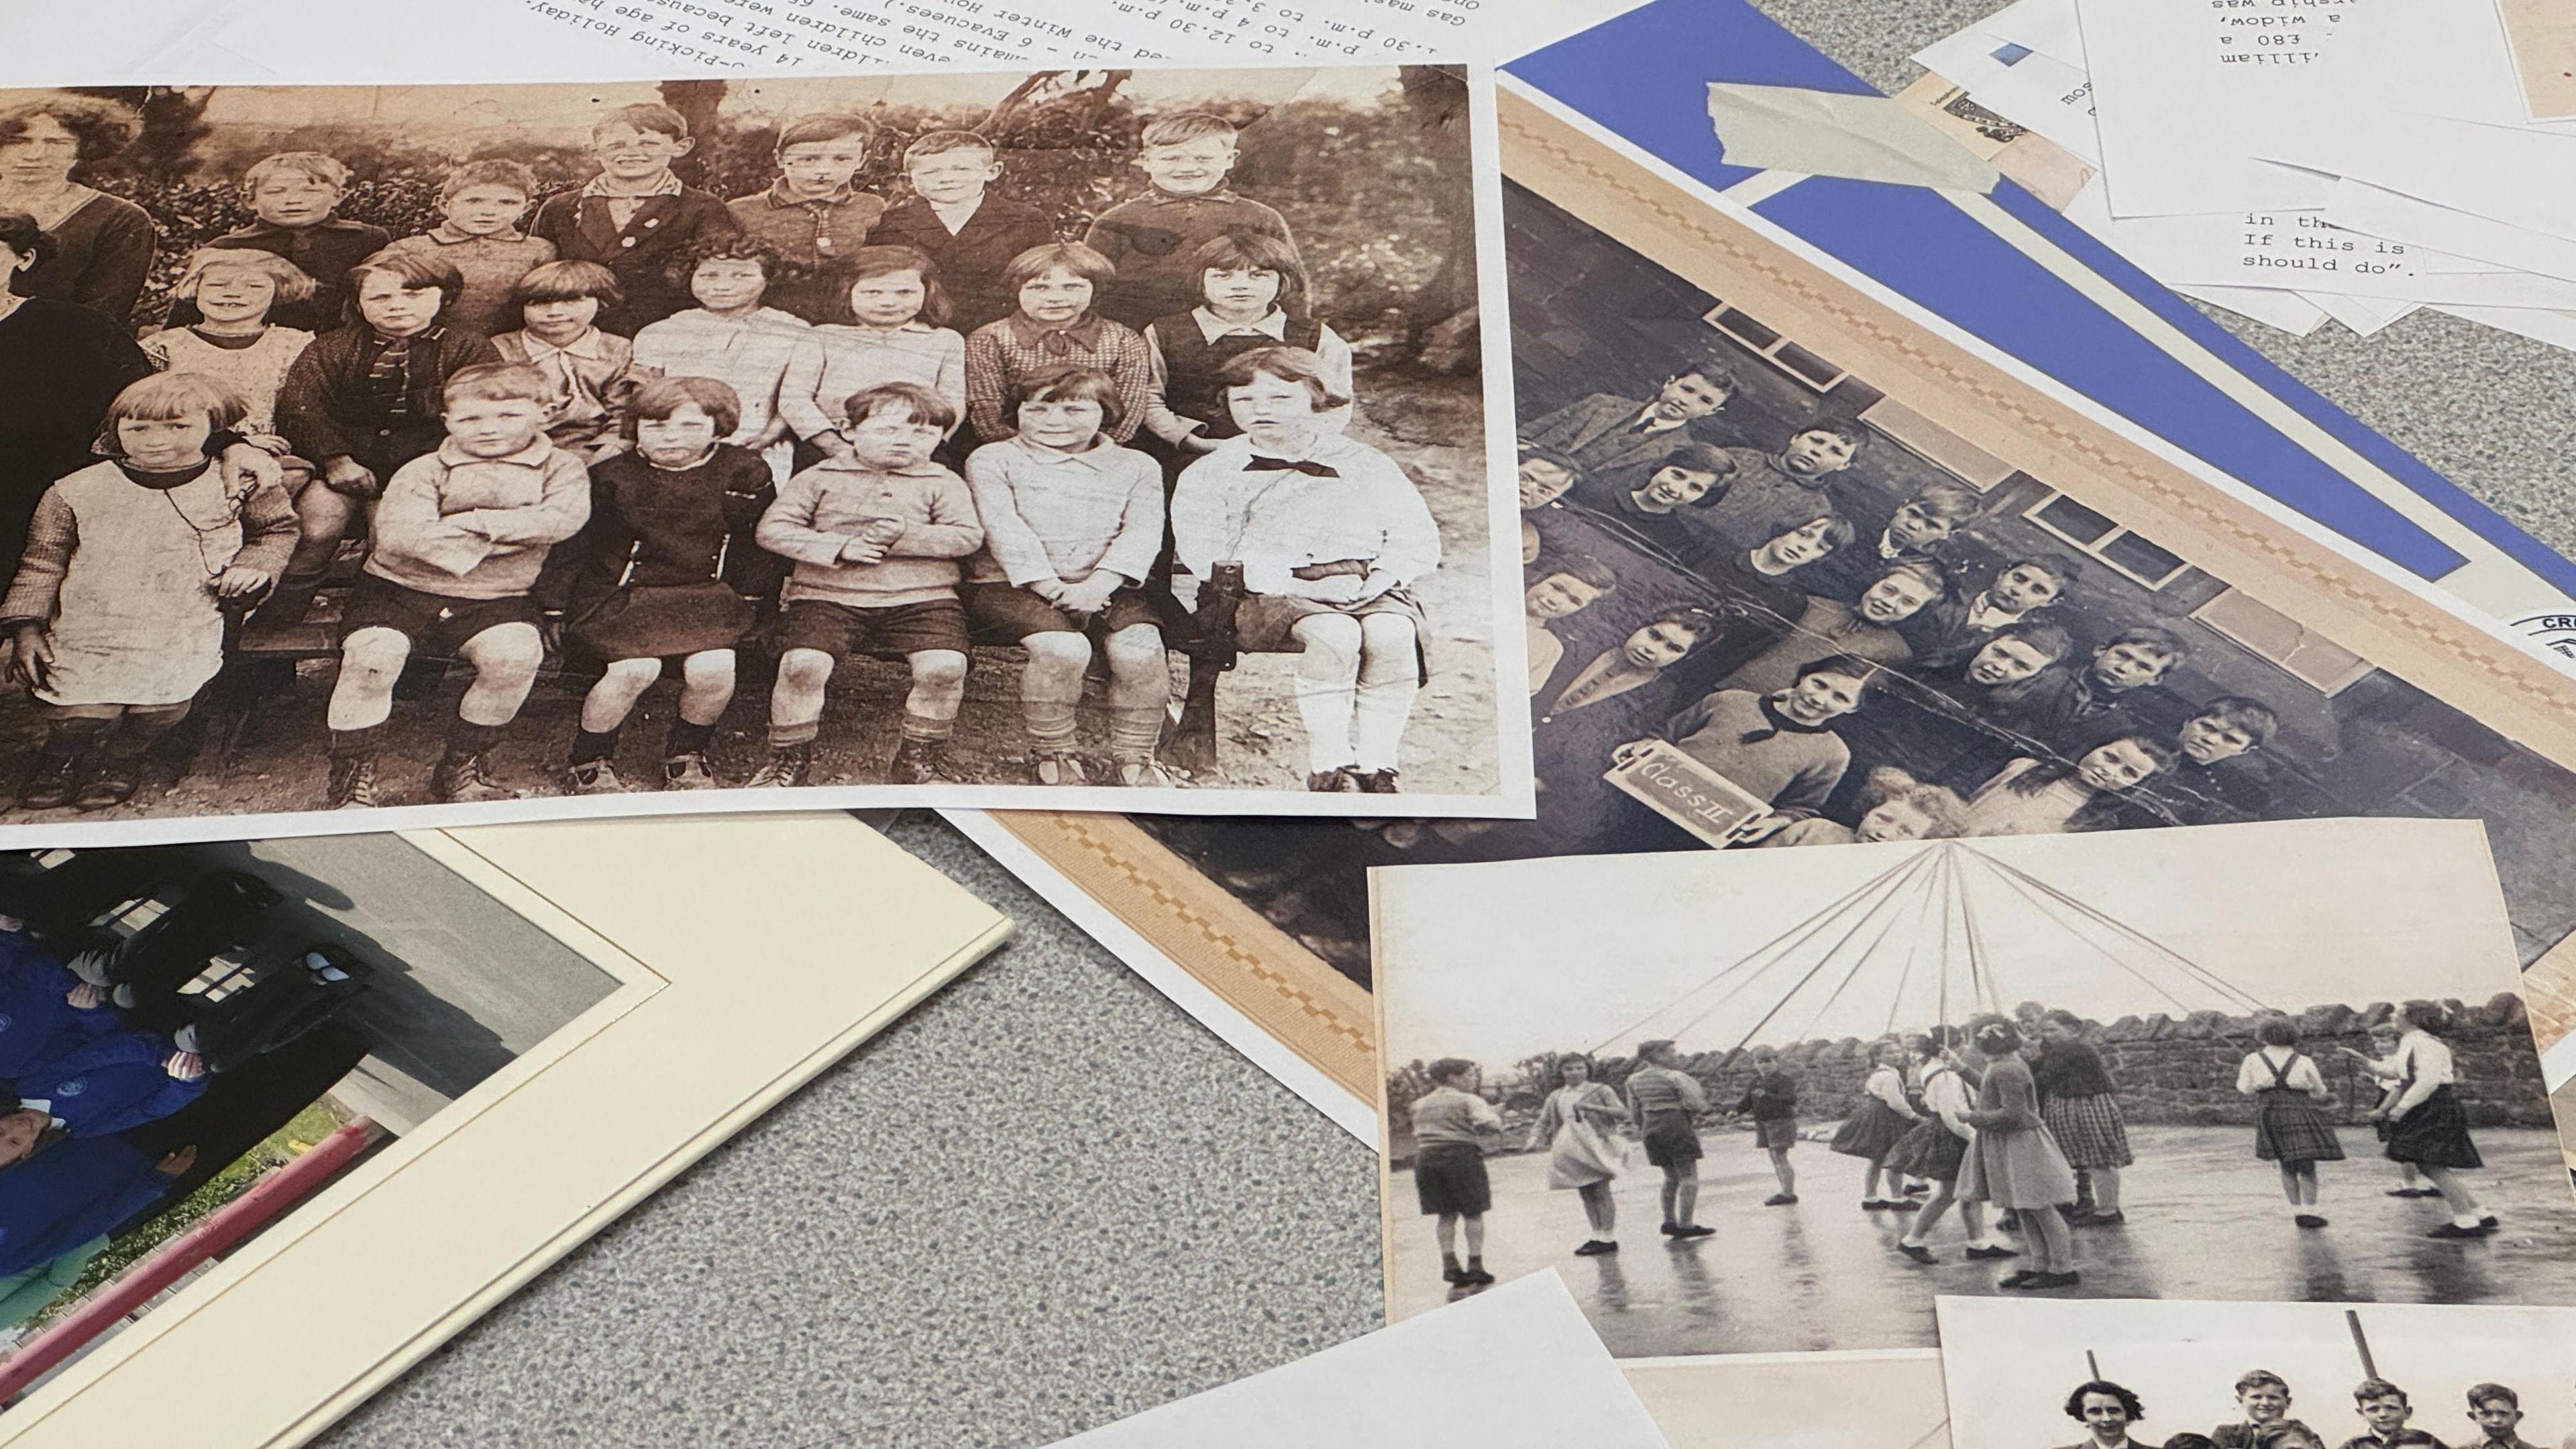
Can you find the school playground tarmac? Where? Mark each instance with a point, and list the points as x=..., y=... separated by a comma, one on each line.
x=2205, y=1220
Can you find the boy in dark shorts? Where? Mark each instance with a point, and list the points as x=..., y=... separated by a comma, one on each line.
x=1450, y=1123
x=877, y=540
x=460, y=535
x=1772, y=1103
x=1071, y=525
x=1665, y=1102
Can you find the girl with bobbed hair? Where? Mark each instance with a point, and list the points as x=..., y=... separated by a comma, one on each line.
x=101, y=245
x=2107, y=1411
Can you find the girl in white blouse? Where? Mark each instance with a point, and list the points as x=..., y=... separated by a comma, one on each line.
x=2426, y=1125
x=2290, y=1129
x=1332, y=535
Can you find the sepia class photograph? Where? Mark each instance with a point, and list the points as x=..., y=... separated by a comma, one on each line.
x=1120, y=434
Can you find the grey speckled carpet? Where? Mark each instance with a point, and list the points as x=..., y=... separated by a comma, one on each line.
x=1048, y=1199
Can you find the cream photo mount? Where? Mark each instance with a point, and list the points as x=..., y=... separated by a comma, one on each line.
x=708, y=924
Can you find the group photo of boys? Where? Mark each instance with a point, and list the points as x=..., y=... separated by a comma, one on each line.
x=397, y=446
x=1738, y=550
x=2198, y=1375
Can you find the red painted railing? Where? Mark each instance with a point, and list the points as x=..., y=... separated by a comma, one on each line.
x=220, y=1230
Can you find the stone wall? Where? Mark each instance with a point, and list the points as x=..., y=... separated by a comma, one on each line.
x=2181, y=1071
x=2171, y=1071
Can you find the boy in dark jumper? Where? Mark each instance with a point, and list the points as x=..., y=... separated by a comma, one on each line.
x=1153, y=239
x=967, y=229
x=295, y=196
x=634, y=217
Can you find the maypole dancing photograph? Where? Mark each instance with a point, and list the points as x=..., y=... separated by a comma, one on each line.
x=2187, y=1375
x=1759, y=1103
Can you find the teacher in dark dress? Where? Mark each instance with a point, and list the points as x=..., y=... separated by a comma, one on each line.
x=101, y=245
x=61, y=364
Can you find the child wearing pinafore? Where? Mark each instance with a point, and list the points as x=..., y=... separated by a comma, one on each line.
x=2289, y=1128
x=116, y=618
x=1880, y=1122
x=1578, y=1125
x=232, y=341
x=664, y=569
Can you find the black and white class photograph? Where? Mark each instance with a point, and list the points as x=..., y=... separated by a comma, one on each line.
x=195, y=1040
x=1778, y=1102
x=1816, y=615
x=1084, y=439
x=2201, y=1375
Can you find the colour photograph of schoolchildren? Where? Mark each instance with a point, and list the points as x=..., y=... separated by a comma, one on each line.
x=2296, y=1375
x=1735, y=543
x=196, y=1039
x=1779, y=1101
x=1001, y=437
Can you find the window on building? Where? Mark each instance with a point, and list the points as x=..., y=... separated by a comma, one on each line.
x=2130, y=554
x=2319, y=662
x=1816, y=372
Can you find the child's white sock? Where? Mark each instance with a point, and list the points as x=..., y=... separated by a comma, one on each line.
x=1381, y=710
x=1324, y=706
x=2466, y=1220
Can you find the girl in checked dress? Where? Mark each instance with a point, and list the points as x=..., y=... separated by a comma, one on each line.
x=2077, y=1100
x=2426, y=1125
x=2289, y=1127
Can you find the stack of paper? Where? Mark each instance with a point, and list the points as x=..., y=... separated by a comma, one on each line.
x=2296, y=160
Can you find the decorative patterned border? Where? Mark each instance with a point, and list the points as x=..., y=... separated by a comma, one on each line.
x=1322, y=1015
x=2514, y=693
x=1332, y=1023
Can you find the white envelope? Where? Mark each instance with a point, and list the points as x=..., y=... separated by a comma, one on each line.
x=2382, y=212
x=2181, y=87
x=2558, y=329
